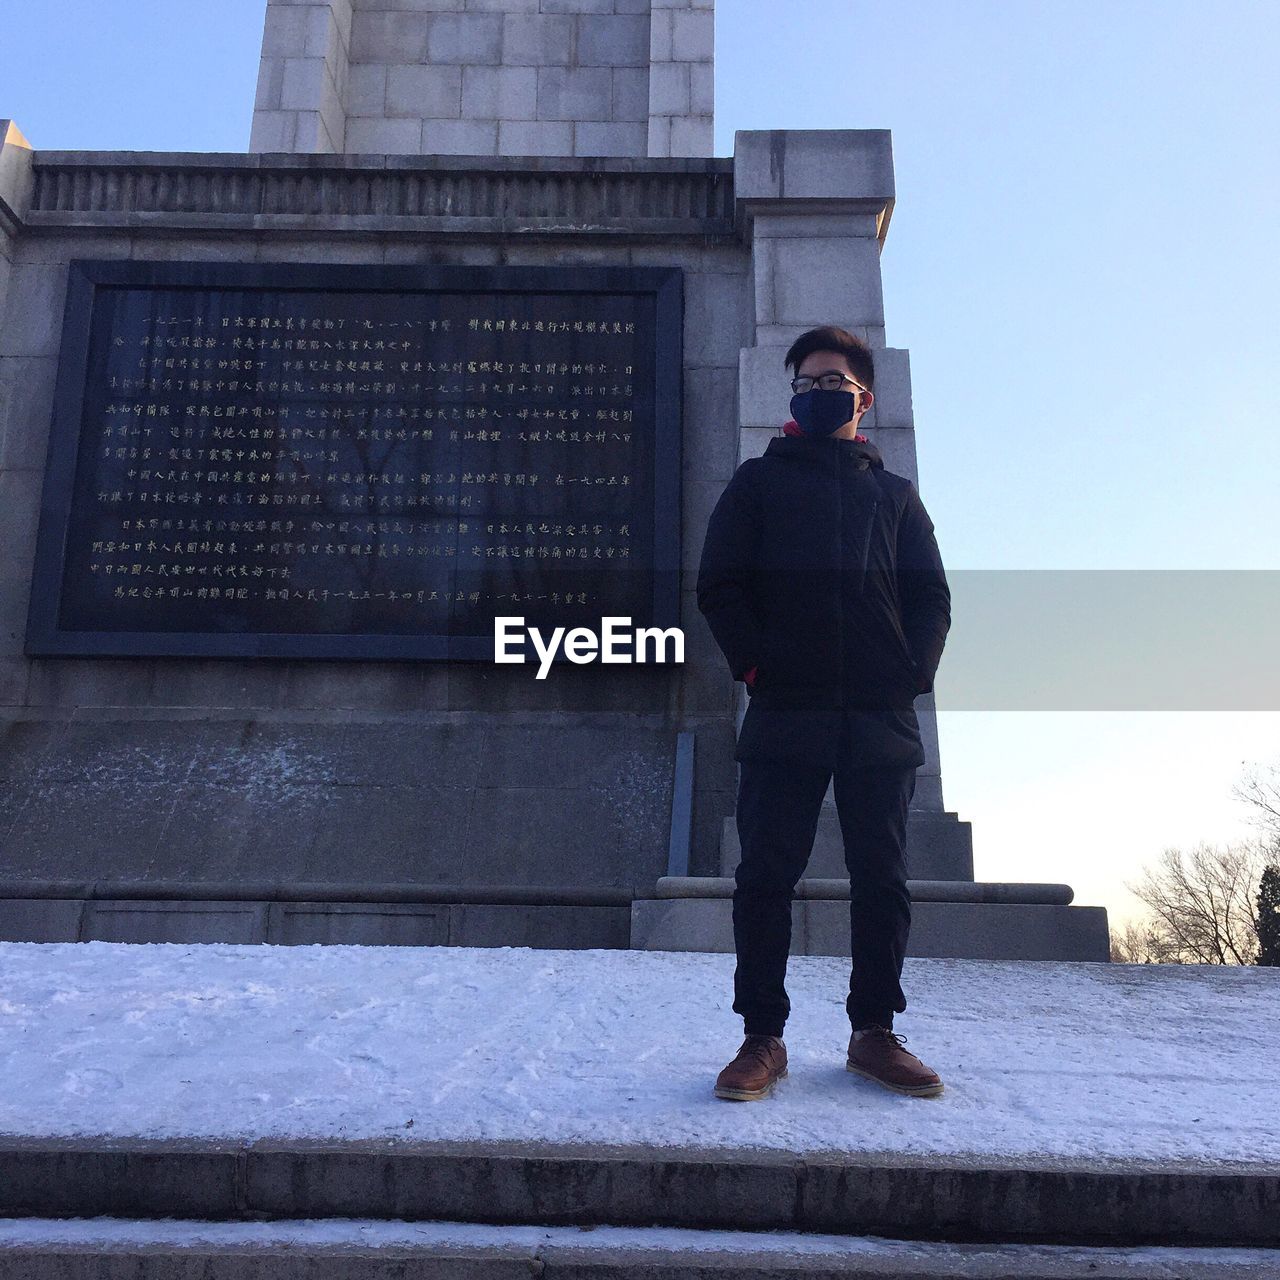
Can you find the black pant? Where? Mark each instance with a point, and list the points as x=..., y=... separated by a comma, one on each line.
x=778, y=806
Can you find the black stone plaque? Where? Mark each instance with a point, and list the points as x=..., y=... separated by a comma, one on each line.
x=357, y=461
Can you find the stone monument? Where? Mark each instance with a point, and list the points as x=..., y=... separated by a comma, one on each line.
x=271, y=426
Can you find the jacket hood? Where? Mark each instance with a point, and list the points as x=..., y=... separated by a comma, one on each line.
x=793, y=442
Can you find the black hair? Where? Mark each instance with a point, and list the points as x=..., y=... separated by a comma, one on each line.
x=832, y=338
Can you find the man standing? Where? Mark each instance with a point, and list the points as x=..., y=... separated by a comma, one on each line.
x=823, y=586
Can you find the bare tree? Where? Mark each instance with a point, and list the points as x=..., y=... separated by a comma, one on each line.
x=1261, y=791
x=1204, y=904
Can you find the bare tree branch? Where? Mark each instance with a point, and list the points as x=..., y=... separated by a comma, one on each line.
x=1261, y=791
x=1138, y=943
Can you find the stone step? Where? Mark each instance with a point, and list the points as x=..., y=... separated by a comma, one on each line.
x=44, y=1249
x=956, y=1198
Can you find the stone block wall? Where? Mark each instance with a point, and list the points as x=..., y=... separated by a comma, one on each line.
x=486, y=78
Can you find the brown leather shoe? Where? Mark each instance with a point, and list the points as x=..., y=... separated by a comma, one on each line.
x=879, y=1056
x=761, y=1061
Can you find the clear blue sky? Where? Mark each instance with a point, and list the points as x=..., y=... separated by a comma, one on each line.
x=1082, y=262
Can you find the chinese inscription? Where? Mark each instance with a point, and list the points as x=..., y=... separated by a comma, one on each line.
x=348, y=462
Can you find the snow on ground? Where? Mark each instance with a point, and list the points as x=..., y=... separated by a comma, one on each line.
x=658, y=1243
x=622, y=1047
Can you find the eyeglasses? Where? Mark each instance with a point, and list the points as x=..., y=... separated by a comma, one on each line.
x=832, y=381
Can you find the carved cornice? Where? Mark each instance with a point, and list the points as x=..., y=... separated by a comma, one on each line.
x=412, y=194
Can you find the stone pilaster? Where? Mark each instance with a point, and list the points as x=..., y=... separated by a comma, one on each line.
x=15, y=486
x=814, y=205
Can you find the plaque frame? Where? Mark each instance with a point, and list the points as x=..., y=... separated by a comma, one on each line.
x=44, y=636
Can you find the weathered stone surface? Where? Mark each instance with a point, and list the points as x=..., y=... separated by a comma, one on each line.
x=425, y=91
x=605, y=139
x=813, y=164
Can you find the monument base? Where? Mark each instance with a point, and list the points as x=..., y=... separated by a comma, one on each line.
x=961, y=920
x=460, y=828
x=952, y=914
x=939, y=844
x=455, y=918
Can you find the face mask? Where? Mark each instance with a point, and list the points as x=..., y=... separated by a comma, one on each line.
x=819, y=412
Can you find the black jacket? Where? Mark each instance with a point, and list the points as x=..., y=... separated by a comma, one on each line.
x=820, y=568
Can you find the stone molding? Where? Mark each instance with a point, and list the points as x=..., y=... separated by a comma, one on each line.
x=233, y=191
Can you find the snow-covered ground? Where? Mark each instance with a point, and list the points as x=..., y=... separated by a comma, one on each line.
x=622, y=1047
